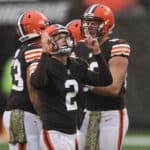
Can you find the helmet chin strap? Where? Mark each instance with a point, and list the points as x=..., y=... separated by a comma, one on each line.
x=62, y=50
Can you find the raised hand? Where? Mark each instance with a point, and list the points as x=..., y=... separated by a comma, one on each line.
x=92, y=44
x=47, y=43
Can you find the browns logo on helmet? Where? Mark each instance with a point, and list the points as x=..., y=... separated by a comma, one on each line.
x=30, y=24
x=75, y=27
x=103, y=15
x=50, y=44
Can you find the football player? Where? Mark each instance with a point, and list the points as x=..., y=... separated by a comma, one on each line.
x=20, y=118
x=75, y=28
x=98, y=21
x=58, y=78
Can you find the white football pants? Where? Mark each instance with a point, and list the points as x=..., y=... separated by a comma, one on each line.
x=112, y=129
x=56, y=140
x=33, y=127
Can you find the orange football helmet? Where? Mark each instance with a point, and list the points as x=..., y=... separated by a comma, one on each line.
x=101, y=14
x=50, y=44
x=30, y=24
x=75, y=27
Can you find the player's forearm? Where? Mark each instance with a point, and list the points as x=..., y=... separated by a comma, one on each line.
x=106, y=91
x=33, y=94
x=35, y=100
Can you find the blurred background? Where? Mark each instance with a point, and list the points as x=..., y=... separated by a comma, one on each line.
x=132, y=24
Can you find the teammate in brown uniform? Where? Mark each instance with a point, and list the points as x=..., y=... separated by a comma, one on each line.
x=59, y=78
x=98, y=21
x=20, y=118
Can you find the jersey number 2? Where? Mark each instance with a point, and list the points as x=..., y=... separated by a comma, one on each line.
x=70, y=104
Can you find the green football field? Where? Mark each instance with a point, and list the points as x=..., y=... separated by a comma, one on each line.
x=5, y=147
x=135, y=140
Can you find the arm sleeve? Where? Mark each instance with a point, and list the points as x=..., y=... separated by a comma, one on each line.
x=39, y=77
x=120, y=48
x=102, y=77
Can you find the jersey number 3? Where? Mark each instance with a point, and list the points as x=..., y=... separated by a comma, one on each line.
x=17, y=79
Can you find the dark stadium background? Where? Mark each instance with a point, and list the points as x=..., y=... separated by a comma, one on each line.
x=132, y=24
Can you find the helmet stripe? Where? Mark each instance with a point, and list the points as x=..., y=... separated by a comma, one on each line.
x=92, y=8
x=19, y=23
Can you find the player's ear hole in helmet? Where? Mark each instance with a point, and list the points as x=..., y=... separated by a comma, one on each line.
x=30, y=25
x=100, y=14
x=51, y=37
